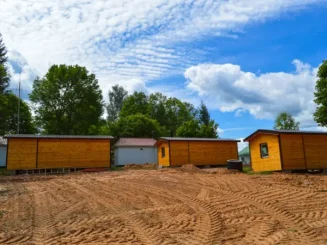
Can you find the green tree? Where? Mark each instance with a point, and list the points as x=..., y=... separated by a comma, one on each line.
x=4, y=74
x=194, y=128
x=134, y=104
x=320, y=116
x=137, y=125
x=157, y=108
x=209, y=131
x=285, y=121
x=3, y=52
x=67, y=100
x=116, y=95
x=204, y=115
x=9, y=124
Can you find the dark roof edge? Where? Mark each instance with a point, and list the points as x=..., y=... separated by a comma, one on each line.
x=197, y=139
x=32, y=136
x=277, y=132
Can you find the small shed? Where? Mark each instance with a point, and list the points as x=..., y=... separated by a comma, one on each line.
x=244, y=155
x=29, y=152
x=273, y=150
x=175, y=151
x=3, y=152
x=135, y=151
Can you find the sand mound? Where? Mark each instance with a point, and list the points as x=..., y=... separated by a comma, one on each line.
x=190, y=168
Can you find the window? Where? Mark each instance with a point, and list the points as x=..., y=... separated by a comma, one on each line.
x=163, y=152
x=264, y=150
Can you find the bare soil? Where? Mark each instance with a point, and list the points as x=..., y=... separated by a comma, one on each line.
x=167, y=206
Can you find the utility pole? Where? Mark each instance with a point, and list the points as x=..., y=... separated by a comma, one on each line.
x=18, y=116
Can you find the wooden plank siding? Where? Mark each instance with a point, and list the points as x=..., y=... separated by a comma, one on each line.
x=292, y=151
x=179, y=153
x=273, y=161
x=21, y=154
x=163, y=161
x=212, y=152
x=315, y=146
x=73, y=153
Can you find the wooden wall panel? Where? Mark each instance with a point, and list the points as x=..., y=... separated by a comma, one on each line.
x=163, y=161
x=212, y=153
x=73, y=153
x=292, y=151
x=315, y=150
x=271, y=163
x=179, y=153
x=21, y=154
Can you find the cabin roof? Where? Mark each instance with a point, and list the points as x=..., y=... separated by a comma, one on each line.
x=125, y=142
x=33, y=136
x=277, y=132
x=3, y=141
x=196, y=139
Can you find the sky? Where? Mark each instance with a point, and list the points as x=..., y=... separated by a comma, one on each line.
x=247, y=60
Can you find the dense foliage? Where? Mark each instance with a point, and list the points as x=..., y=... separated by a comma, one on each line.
x=320, y=115
x=67, y=100
x=285, y=121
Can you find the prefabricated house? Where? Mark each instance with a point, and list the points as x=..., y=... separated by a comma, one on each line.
x=3, y=152
x=244, y=155
x=175, y=151
x=273, y=150
x=135, y=151
x=29, y=152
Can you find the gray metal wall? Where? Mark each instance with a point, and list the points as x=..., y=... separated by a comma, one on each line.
x=134, y=155
x=3, y=154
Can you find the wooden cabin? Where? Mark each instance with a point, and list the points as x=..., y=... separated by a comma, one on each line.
x=29, y=152
x=273, y=150
x=174, y=151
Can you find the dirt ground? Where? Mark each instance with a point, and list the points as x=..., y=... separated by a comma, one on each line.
x=167, y=206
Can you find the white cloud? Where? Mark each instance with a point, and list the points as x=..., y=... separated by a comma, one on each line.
x=126, y=40
x=228, y=88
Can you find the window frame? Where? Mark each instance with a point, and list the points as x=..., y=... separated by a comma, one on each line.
x=163, y=152
x=261, y=155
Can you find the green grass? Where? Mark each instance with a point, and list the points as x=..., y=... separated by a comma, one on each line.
x=114, y=168
x=248, y=170
x=4, y=172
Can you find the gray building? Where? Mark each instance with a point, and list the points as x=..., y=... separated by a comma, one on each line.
x=3, y=152
x=135, y=151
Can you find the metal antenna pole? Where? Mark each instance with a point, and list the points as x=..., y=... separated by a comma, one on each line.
x=18, y=116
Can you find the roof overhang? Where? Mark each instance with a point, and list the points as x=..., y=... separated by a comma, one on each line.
x=33, y=136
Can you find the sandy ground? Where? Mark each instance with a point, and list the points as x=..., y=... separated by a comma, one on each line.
x=164, y=207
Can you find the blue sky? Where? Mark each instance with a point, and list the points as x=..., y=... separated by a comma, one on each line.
x=247, y=60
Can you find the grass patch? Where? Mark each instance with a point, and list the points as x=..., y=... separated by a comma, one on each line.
x=115, y=168
x=246, y=169
x=4, y=172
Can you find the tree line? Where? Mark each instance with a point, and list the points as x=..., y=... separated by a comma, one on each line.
x=68, y=100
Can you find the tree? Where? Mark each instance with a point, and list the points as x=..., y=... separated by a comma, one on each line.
x=134, y=104
x=194, y=128
x=285, y=121
x=116, y=98
x=9, y=124
x=67, y=100
x=137, y=125
x=3, y=52
x=204, y=115
x=320, y=116
x=157, y=108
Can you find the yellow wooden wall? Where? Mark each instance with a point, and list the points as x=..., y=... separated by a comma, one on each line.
x=292, y=151
x=163, y=161
x=271, y=163
x=179, y=153
x=21, y=154
x=315, y=150
x=73, y=153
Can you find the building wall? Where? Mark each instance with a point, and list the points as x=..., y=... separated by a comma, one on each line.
x=212, y=153
x=73, y=153
x=271, y=163
x=57, y=153
x=21, y=154
x=179, y=153
x=134, y=155
x=202, y=152
x=315, y=150
x=292, y=152
x=3, y=154
x=163, y=161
